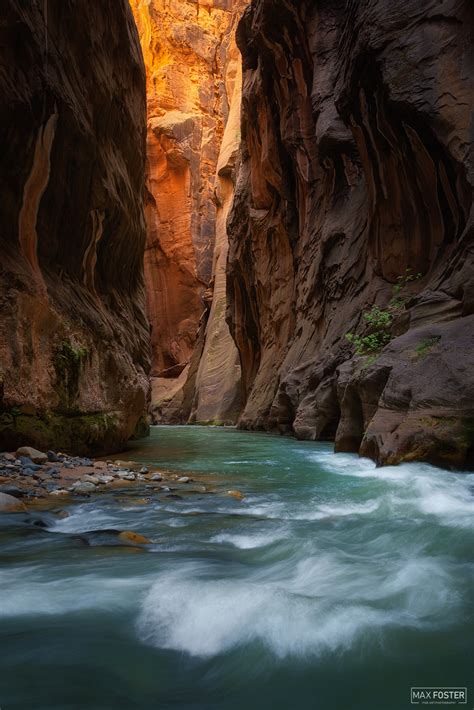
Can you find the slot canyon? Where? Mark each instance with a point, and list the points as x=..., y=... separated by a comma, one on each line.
x=236, y=354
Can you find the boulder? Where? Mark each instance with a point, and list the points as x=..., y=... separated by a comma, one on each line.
x=126, y=476
x=83, y=487
x=134, y=538
x=13, y=491
x=90, y=479
x=236, y=494
x=31, y=453
x=10, y=504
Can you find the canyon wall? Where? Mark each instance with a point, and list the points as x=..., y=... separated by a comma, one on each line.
x=74, y=352
x=191, y=62
x=353, y=217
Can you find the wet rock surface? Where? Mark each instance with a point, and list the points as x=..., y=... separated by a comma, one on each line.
x=75, y=478
x=355, y=191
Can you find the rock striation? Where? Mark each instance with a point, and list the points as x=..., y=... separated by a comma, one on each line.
x=74, y=352
x=353, y=215
x=191, y=61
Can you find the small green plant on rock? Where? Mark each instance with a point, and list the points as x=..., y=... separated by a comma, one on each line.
x=380, y=321
x=405, y=279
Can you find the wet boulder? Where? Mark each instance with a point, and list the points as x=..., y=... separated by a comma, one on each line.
x=31, y=453
x=10, y=504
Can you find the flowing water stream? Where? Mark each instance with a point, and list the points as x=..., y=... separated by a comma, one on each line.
x=333, y=585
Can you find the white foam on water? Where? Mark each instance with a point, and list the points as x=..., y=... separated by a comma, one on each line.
x=450, y=498
x=325, y=602
x=430, y=491
x=84, y=518
x=322, y=512
x=249, y=541
x=419, y=586
x=205, y=618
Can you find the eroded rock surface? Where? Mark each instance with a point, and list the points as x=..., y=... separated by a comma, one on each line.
x=354, y=191
x=191, y=62
x=74, y=353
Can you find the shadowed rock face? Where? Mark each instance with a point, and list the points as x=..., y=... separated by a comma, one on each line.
x=191, y=59
x=355, y=190
x=74, y=351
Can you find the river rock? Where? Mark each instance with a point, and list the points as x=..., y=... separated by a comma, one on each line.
x=82, y=487
x=13, y=491
x=144, y=470
x=7, y=457
x=156, y=477
x=126, y=475
x=126, y=464
x=184, y=479
x=105, y=479
x=10, y=504
x=60, y=492
x=35, y=455
x=52, y=457
x=236, y=494
x=90, y=479
x=135, y=538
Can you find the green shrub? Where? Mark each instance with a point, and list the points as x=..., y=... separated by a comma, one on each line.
x=380, y=320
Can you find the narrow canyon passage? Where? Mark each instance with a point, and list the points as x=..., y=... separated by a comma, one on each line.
x=194, y=81
x=236, y=353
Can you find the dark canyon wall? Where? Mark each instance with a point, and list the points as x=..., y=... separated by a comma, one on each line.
x=354, y=192
x=74, y=351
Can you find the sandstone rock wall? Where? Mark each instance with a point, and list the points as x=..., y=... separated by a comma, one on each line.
x=74, y=353
x=190, y=55
x=216, y=388
x=355, y=191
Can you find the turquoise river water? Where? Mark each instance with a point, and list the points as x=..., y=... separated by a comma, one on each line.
x=333, y=585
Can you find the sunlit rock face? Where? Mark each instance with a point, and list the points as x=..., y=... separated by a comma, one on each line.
x=191, y=63
x=74, y=348
x=355, y=190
